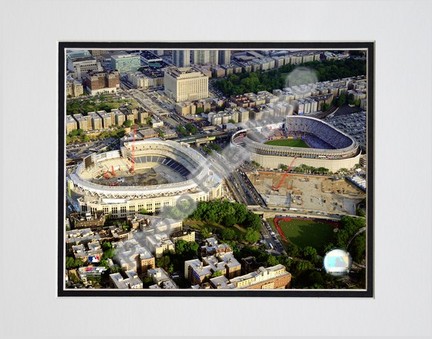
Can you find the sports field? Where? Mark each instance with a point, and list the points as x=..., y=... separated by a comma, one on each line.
x=288, y=142
x=303, y=232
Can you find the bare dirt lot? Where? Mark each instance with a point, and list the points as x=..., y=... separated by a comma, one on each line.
x=156, y=175
x=307, y=192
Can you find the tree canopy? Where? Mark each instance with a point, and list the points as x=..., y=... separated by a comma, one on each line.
x=236, y=84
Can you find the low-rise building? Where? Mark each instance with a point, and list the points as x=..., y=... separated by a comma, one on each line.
x=84, y=122
x=143, y=116
x=71, y=124
x=159, y=243
x=188, y=236
x=275, y=277
x=106, y=119
x=96, y=121
x=101, y=82
x=147, y=133
x=161, y=279
x=87, y=219
x=211, y=247
x=131, y=282
x=119, y=117
x=126, y=62
x=221, y=282
x=131, y=255
x=82, y=65
x=74, y=88
x=90, y=272
x=196, y=272
x=83, y=235
x=140, y=80
x=91, y=252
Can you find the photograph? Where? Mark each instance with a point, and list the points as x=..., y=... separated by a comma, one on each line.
x=167, y=165
x=216, y=169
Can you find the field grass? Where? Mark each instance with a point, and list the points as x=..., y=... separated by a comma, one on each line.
x=302, y=233
x=288, y=142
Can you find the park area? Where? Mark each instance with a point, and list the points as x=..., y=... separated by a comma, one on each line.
x=288, y=142
x=305, y=232
x=99, y=102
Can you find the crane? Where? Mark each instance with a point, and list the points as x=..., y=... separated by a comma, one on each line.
x=282, y=179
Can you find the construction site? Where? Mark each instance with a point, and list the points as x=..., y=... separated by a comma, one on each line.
x=121, y=175
x=309, y=193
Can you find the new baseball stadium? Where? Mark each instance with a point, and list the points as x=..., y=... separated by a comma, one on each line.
x=148, y=174
x=299, y=140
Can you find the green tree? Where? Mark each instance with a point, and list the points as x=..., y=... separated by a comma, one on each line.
x=229, y=220
x=106, y=245
x=309, y=279
x=205, y=232
x=228, y=234
x=70, y=262
x=109, y=253
x=164, y=262
x=357, y=248
x=292, y=250
x=128, y=123
x=216, y=274
x=191, y=129
x=240, y=212
x=181, y=130
x=303, y=265
x=252, y=236
x=253, y=221
x=73, y=263
x=342, y=99
x=272, y=260
x=349, y=227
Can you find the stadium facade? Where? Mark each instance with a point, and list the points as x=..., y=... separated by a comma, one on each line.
x=198, y=182
x=329, y=147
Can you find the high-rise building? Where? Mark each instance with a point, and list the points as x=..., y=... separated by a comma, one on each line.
x=214, y=57
x=204, y=57
x=181, y=58
x=125, y=62
x=183, y=84
x=224, y=57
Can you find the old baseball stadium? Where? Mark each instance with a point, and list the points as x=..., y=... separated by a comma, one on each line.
x=149, y=174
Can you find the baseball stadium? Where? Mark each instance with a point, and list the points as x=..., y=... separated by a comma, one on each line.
x=146, y=174
x=299, y=140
